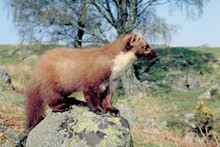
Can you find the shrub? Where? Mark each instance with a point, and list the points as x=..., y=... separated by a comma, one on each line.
x=204, y=118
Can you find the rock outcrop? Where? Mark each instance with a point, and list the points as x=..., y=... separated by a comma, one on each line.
x=80, y=127
x=183, y=81
x=212, y=91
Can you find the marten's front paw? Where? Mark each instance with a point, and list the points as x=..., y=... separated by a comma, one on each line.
x=113, y=111
x=98, y=111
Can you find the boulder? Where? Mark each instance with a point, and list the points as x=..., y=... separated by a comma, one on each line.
x=144, y=77
x=194, y=81
x=10, y=53
x=13, y=139
x=213, y=90
x=25, y=52
x=183, y=81
x=127, y=112
x=178, y=63
x=133, y=87
x=187, y=117
x=4, y=76
x=80, y=127
x=30, y=58
x=148, y=122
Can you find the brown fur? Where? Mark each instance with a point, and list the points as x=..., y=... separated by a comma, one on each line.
x=62, y=71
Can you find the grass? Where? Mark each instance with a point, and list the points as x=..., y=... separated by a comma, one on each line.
x=11, y=116
x=4, y=48
x=11, y=110
x=161, y=105
x=154, y=138
x=171, y=110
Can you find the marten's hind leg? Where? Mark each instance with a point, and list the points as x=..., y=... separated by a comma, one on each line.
x=60, y=107
x=57, y=102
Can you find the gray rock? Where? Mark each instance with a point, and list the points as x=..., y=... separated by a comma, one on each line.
x=194, y=81
x=16, y=139
x=30, y=58
x=193, y=126
x=148, y=122
x=25, y=52
x=183, y=81
x=164, y=124
x=21, y=51
x=127, y=112
x=209, y=93
x=4, y=76
x=150, y=85
x=10, y=52
x=178, y=63
x=80, y=128
x=131, y=86
x=145, y=76
x=187, y=117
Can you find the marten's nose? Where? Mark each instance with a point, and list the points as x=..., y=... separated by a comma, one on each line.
x=155, y=53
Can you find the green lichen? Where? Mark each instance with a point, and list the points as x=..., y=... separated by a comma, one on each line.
x=88, y=125
x=116, y=120
x=81, y=127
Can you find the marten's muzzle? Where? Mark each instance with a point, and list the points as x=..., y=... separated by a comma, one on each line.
x=152, y=54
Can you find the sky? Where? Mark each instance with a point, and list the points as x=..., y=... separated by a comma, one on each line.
x=191, y=32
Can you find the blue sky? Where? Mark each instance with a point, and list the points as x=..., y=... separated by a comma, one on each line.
x=203, y=30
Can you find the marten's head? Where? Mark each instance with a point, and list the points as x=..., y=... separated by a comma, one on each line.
x=137, y=44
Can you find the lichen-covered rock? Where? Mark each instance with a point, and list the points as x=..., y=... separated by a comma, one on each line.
x=80, y=127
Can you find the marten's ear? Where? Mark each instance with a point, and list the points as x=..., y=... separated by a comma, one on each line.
x=130, y=41
x=134, y=37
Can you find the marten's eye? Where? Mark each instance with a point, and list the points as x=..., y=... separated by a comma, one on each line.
x=146, y=47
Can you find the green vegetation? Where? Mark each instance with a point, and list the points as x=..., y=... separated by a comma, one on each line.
x=183, y=59
x=166, y=107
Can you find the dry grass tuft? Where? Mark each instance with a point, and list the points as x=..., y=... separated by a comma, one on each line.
x=19, y=74
x=153, y=136
x=11, y=116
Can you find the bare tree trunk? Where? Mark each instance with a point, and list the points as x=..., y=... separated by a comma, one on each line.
x=81, y=24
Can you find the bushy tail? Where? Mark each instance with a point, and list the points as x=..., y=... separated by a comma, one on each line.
x=34, y=108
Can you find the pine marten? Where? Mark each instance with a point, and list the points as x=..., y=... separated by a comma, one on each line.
x=62, y=71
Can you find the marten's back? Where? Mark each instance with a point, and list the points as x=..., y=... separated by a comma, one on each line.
x=71, y=68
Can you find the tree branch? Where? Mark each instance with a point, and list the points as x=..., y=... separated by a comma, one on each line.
x=108, y=9
x=91, y=33
x=102, y=12
x=150, y=3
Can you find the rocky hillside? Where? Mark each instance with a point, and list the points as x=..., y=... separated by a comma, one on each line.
x=181, y=84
